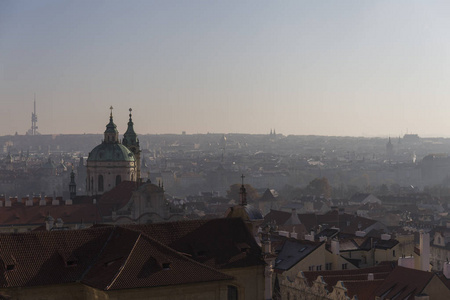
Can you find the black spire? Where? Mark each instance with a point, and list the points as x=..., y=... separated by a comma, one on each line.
x=72, y=185
x=130, y=137
x=243, y=192
x=111, y=133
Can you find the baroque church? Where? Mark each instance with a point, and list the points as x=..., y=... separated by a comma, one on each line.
x=113, y=161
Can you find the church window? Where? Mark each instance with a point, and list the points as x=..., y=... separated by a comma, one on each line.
x=118, y=180
x=100, y=183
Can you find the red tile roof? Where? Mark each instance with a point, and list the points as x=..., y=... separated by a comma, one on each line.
x=35, y=215
x=103, y=257
x=217, y=242
x=404, y=283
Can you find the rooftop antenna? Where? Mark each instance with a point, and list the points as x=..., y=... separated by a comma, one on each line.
x=34, y=119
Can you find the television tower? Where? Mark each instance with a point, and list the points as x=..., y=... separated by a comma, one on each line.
x=34, y=119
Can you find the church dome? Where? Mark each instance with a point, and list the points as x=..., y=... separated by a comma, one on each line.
x=110, y=152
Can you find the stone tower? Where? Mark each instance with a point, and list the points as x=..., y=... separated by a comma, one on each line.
x=131, y=141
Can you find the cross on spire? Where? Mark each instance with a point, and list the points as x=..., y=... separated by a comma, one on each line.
x=242, y=176
x=130, y=113
x=111, y=108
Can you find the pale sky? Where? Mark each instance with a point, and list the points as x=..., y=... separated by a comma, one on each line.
x=357, y=68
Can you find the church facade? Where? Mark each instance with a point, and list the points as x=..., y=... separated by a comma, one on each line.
x=112, y=161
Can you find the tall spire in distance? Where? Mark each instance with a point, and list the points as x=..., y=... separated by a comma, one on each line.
x=33, y=130
x=243, y=192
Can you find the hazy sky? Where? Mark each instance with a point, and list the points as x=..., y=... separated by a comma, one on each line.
x=301, y=67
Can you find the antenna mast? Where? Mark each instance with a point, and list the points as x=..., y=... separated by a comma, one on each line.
x=34, y=119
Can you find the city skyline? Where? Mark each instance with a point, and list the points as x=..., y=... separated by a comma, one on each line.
x=321, y=68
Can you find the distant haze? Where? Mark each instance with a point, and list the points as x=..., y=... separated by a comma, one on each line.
x=302, y=67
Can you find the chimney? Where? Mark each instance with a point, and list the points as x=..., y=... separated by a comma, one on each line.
x=49, y=221
x=370, y=276
x=335, y=247
x=42, y=202
x=55, y=202
x=28, y=201
x=406, y=262
x=294, y=234
x=385, y=237
x=446, y=270
x=310, y=237
x=424, y=247
x=360, y=233
x=59, y=223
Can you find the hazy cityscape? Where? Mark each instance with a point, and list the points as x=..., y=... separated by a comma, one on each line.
x=228, y=151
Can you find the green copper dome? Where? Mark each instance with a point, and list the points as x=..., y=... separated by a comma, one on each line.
x=111, y=152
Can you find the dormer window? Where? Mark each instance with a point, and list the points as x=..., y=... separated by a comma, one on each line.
x=71, y=263
x=10, y=267
x=166, y=266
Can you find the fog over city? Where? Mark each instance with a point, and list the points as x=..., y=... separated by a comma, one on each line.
x=224, y=150
x=338, y=68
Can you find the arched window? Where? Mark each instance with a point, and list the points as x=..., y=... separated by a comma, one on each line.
x=232, y=293
x=118, y=180
x=100, y=183
x=92, y=183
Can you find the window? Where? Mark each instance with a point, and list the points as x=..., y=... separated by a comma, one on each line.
x=344, y=266
x=393, y=253
x=328, y=266
x=232, y=293
x=319, y=268
x=100, y=183
x=311, y=268
x=118, y=180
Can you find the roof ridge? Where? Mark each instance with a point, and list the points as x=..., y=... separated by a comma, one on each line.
x=183, y=256
x=89, y=267
x=125, y=263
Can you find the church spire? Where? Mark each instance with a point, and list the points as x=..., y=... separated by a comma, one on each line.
x=131, y=141
x=72, y=185
x=111, y=133
x=243, y=192
x=130, y=137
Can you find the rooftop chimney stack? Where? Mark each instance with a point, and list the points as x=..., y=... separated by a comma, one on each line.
x=424, y=247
